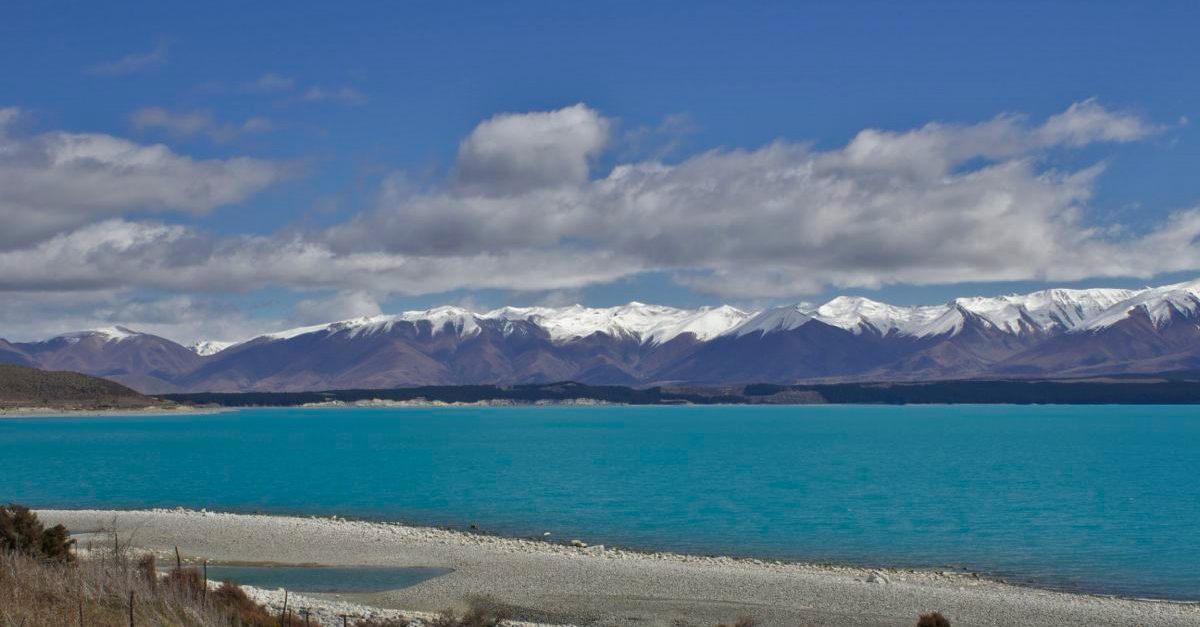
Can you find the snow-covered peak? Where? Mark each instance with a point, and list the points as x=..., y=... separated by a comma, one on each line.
x=773, y=320
x=204, y=348
x=1044, y=310
x=104, y=334
x=463, y=322
x=1159, y=303
x=857, y=314
x=704, y=323
x=638, y=321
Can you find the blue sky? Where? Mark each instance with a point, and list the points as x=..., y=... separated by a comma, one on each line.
x=339, y=104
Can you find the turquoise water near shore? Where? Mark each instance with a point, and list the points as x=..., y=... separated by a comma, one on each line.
x=1096, y=498
x=324, y=579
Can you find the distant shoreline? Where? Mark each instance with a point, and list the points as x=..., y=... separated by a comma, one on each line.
x=50, y=412
x=1180, y=389
x=559, y=583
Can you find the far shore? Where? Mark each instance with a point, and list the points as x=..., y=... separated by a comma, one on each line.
x=558, y=583
x=52, y=412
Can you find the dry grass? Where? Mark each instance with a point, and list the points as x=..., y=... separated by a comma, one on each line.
x=105, y=589
x=93, y=592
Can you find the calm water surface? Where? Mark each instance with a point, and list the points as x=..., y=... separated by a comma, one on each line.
x=1104, y=499
x=325, y=579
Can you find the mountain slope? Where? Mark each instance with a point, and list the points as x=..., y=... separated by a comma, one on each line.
x=140, y=360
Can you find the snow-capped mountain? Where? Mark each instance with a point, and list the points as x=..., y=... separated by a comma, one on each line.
x=1046, y=333
x=1161, y=305
x=204, y=348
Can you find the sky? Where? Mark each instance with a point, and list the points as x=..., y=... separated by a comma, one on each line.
x=217, y=170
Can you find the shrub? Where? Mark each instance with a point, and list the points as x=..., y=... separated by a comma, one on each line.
x=240, y=606
x=147, y=566
x=481, y=612
x=187, y=581
x=933, y=619
x=22, y=532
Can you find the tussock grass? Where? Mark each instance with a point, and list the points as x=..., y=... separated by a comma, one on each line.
x=43, y=583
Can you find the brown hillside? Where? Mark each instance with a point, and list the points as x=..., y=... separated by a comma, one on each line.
x=30, y=387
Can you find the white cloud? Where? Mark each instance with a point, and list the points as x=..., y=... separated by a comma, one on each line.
x=514, y=153
x=134, y=62
x=191, y=123
x=942, y=203
x=1086, y=122
x=58, y=181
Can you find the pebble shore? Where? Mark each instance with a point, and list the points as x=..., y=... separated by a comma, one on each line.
x=557, y=583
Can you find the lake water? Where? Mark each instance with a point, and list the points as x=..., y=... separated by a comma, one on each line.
x=1097, y=498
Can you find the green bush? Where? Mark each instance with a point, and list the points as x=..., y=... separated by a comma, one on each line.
x=21, y=532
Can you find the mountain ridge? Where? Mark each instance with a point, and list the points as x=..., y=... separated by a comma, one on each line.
x=1045, y=333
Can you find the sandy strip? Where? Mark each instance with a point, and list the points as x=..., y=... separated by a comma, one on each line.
x=50, y=412
x=560, y=584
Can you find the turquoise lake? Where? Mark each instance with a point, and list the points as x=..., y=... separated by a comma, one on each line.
x=1103, y=499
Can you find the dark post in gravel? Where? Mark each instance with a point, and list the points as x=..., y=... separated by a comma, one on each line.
x=345, y=617
x=131, y=608
x=81, y=609
x=178, y=561
x=283, y=612
x=204, y=590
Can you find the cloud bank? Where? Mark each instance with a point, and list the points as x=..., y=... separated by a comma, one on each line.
x=525, y=209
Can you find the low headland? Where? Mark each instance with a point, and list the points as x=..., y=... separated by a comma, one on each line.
x=570, y=582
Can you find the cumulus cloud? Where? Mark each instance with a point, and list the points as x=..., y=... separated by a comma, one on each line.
x=134, y=62
x=942, y=203
x=58, y=181
x=514, y=153
x=192, y=123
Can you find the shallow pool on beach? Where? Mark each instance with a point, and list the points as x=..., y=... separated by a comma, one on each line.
x=1096, y=498
x=325, y=578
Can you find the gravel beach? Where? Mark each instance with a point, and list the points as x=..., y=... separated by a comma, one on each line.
x=554, y=583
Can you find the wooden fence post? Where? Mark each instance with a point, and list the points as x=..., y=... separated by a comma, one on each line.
x=131, y=608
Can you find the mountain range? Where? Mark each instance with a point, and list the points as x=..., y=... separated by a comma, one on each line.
x=1050, y=333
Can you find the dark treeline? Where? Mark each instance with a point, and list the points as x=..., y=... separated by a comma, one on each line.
x=1159, y=390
